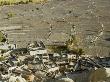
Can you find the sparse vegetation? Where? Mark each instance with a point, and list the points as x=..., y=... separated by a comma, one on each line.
x=73, y=46
x=4, y=3
x=57, y=49
x=2, y=38
x=10, y=15
x=2, y=58
x=9, y=2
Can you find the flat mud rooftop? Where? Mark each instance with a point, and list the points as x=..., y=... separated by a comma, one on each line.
x=34, y=21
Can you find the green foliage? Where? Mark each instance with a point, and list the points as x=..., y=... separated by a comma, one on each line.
x=78, y=51
x=30, y=0
x=57, y=49
x=16, y=2
x=4, y=3
x=2, y=38
x=72, y=43
x=23, y=2
x=73, y=46
x=2, y=58
x=10, y=15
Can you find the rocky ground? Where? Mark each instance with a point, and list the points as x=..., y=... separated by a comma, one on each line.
x=34, y=21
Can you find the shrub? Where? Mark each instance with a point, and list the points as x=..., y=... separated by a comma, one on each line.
x=73, y=46
x=30, y=0
x=10, y=15
x=2, y=58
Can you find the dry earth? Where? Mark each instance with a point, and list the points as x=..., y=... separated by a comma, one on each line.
x=35, y=21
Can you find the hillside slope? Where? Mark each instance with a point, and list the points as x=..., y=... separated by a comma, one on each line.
x=91, y=17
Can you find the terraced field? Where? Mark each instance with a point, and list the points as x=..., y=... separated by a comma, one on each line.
x=91, y=18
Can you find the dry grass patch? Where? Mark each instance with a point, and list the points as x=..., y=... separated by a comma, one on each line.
x=9, y=2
